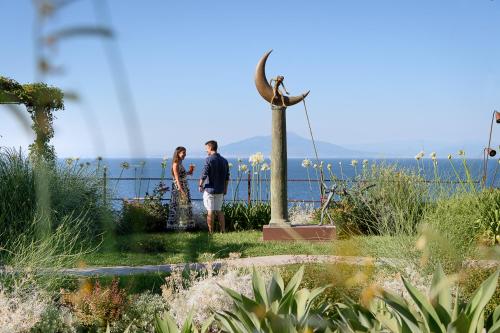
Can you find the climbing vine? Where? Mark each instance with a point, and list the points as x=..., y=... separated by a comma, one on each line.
x=40, y=101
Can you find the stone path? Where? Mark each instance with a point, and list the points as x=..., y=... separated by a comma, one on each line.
x=278, y=260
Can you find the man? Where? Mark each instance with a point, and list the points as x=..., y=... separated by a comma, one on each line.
x=213, y=183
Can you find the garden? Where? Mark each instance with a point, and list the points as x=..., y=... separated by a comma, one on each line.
x=426, y=256
x=85, y=245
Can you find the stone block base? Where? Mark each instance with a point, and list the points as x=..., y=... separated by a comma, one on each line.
x=298, y=233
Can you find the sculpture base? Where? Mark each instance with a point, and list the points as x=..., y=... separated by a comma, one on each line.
x=273, y=232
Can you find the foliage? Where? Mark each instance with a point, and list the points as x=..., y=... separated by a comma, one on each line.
x=73, y=194
x=40, y=101
x=440, y=312
x=274, y=308
x=55, y=319
x=384, y=201
x=199, y=291
x=242, y=216
x=450, y=231
x=149, y=216
x=139, y=316
x=95, y=306
x=469, y=281
x=488, y=224
x=167, y=324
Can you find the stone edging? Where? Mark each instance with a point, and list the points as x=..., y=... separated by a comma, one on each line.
x=277, y=260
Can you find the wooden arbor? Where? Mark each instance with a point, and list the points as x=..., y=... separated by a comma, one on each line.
x=40, y=101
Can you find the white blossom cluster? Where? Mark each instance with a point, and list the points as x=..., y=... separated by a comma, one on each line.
x=203, y=294
x=20, y=310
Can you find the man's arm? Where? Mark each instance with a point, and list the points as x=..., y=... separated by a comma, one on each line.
x=226, y=182
x=204, y=175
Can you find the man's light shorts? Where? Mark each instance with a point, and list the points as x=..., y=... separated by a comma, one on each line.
x=213, y=202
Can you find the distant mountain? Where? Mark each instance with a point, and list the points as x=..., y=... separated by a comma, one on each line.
x=298, y=147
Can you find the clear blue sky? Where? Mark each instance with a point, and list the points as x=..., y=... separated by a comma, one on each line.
x=378, y=71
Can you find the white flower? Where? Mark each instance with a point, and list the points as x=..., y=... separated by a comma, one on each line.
x=243, y=168
x=449, y=156
x=125, y=165
x=433, y=155
x=354, y=163
x=230, y=165
x=418, y=157
x=165, y=158
x=264, y=167
x=329, y=166
x=461, y=152
x=69, y=161
x=256, y=158
x=365, y=162
x=306, y=163
x=240, y=160
x=315, y=166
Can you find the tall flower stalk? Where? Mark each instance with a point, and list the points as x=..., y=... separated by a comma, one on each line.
x=457, y=175
x=467, y=171
x=307, y=164
x=124, y=166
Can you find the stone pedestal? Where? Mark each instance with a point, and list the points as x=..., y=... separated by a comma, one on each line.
x=273, y=232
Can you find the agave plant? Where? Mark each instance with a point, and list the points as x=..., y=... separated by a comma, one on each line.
x=167, y=324
x=275, y=308
x=440, y=312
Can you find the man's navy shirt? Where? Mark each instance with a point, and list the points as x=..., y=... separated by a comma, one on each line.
x=215, y=173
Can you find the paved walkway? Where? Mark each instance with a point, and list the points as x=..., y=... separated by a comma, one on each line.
x=278, y=260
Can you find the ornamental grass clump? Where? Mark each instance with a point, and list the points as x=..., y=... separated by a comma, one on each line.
x=382, y=201
x=243, y=216
x=68, y=192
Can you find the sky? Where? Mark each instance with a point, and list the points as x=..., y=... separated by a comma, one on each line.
x=379, y=71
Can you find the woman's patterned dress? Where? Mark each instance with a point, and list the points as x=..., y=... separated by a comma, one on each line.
x=180, y=215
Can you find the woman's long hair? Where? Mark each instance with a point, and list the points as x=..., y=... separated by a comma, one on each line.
x=175, y=158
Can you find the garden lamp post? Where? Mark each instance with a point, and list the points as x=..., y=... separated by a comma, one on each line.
x=488, y=151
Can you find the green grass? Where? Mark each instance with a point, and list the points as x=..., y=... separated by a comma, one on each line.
x=162, y=248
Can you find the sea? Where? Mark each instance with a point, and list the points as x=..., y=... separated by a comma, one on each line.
x=142, y=175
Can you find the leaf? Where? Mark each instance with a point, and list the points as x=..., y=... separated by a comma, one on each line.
x=276, y=286
x=401, y=308
x=259, y=288
x=481, y=297
x=188, y=323
x=430, y=316
x=165, y=324
x=301, y=298
x=206, y=324
x=440, y=289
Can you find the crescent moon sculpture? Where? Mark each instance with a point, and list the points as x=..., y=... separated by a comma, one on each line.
x=265, y=89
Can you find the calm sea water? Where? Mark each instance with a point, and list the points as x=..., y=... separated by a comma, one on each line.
x=131, y=185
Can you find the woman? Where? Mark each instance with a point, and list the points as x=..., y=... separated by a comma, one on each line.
x=180, y=214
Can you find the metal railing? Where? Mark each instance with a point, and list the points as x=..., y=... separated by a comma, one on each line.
x=248, y=180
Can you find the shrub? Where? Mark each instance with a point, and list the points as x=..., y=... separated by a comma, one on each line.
x=66, y=192
x=382, y=201
x=139, y=316
x=488, y=223
x=452, y=233
x=242, y=216
x=150, y=215
x=20, y=309
x=95, y=306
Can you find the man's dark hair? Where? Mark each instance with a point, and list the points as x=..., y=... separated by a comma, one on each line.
x=212, y=144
